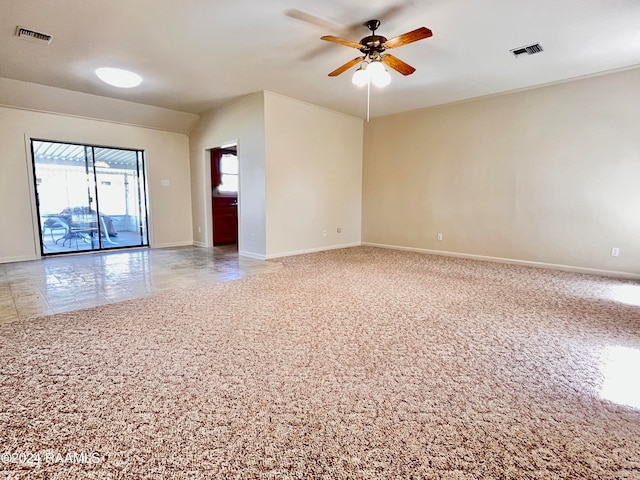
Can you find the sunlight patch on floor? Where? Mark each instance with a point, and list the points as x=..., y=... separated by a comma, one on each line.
x=628, y=294
x=620, y=369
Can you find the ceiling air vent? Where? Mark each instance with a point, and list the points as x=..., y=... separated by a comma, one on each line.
x=528, y=50
x=32, y=35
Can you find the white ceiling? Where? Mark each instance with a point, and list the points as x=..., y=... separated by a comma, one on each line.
x=196, y=54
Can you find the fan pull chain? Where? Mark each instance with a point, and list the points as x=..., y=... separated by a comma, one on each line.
x=368, y=98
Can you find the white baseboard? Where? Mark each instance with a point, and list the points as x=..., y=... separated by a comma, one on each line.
x=257, y=256
x=312, y=250
x=174, y=244
x=200, y=244
x=22, y=258
x=512, y=261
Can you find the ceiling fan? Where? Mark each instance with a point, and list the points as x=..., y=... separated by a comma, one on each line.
x=373, y=46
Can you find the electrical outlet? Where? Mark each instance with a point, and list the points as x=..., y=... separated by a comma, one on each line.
x=199, y=230
x=615, y=251
x=339, y=230
x=324, y=233
x=439, y=237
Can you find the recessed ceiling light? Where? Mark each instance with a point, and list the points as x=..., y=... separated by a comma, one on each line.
x=118, y=77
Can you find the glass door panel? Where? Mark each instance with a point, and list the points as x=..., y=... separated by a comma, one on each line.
x=89, y=198
x=65, y=193
x=121, y=197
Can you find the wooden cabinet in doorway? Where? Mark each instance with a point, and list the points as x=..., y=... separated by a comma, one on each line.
x=225, y=220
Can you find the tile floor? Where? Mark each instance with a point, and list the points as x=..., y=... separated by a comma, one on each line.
x=57, y=244
x=71, y=282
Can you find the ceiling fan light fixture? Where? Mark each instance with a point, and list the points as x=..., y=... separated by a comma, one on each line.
x=379, y=75
x=360, y=77
x=375, y=66
x=381, y=79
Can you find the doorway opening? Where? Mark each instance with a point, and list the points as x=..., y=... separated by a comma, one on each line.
x=225, y=181
x=89, y=198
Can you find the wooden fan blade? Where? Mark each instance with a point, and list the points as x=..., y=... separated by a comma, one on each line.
x=409, y=37
x=342, y=41
x=346, y=66
x=397, y=64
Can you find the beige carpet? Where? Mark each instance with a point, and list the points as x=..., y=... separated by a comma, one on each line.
x=358, y=363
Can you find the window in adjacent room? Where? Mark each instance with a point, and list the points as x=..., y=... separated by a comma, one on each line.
x=228, y=174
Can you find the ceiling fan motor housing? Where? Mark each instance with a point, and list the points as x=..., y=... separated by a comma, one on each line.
x=373, y=43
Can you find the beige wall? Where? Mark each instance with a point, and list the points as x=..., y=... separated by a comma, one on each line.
x=43, y=98
x=241, y=121
x=167, y=156
x=300, y=174
x=313, y=177
x=549, y=175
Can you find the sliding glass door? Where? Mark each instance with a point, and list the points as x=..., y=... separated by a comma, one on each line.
x=89, y=197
